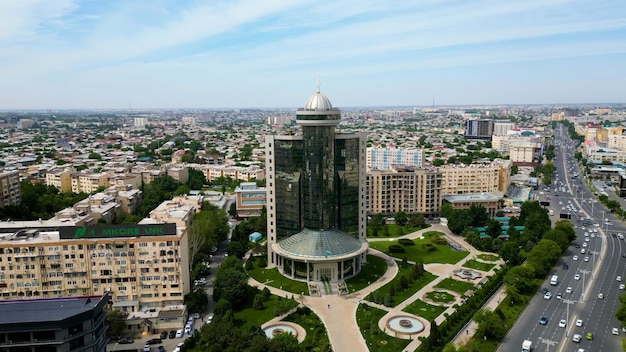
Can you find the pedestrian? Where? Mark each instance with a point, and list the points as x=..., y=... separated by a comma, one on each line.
x=467, y=331
x=329, y=306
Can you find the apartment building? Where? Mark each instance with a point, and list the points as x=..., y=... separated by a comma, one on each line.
x=54, y=325
x=250, y=199
x=387, y=158
x=478, y=129
x=246, y=174
x=88, y=182
x=138, y=265
x=126, y=196
x=408, y=189
x=10, y=191
x=524, y=152
x=489, y=201
x=475, y=178
x=598, y=154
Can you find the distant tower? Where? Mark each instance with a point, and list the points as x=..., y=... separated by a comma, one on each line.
x=316, y=198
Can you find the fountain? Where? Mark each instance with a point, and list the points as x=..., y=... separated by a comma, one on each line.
x=404, y=324
x=275, y=329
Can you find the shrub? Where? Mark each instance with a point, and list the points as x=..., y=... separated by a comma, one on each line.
x=429, y=247
x=406, y=242
x=262, y=262
x=438, y=240
x=396, y=248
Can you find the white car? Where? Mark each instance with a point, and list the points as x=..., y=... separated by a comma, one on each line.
x=548, y=295
x=621, y=286
x=575, y=257
x=577, y=277
x=615, y=331
x=579, y=322
x=619, y=278
x=586, y=240
x=586, y=259
x=586, y=234
x=209, y=319
x=585, y=244
x=576, y=338
x=568, y=289
x=583, y=251
x=593, y=235
x=562, y=323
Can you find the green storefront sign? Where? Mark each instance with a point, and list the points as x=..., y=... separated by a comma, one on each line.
x=74, y=232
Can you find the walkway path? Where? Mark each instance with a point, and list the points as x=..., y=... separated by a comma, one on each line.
x=338, y=313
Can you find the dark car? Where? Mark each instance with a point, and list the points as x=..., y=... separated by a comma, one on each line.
x=161, y=349
x=543, y=321
x=565, y=266
x=163, y=334
x=544, y=290
x=125, y=340
x=172, y=334
x=153, y=341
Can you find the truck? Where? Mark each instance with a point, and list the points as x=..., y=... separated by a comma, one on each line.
x=527, y=346
x=554, y=280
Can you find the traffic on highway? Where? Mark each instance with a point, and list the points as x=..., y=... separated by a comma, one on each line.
x=574, y=310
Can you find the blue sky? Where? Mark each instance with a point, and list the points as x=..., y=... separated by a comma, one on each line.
x=267, y=53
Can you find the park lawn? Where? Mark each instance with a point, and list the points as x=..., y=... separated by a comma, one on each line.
x=474, y=264
x=443, y=254
x=455, y=285
x=424, y=310
x=248, y=317
x=367, y=319
x=316, y=334
x=393, y=231
x=401, y=296
x=371, y=271
x=511, y=313
x=488, y=257
x=272, y=277
x=440, y=296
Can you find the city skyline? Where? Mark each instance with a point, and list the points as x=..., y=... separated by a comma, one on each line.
x=158, y=54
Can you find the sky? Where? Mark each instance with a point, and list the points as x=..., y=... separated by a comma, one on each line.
x=116, y=54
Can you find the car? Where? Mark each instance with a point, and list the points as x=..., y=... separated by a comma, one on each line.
x=568, y=289
x=615, y=331
x=562, y=323
x=209, y=319
x=559, y=295
x=579, y=322
x=619, y=278
x=187, y=329
x=161, y=349
x=589, y=336
x=593, y=235
x=172, y=334
x=190, y=333
x=544, y=290
x=621, y=286
x=543, y=321
x=548, y=295
x=163, y=335
x=179, y=333
x=125, y=340
x=575, y=257
x=600, y=295
x=146, y=348
x=565, y=266
x=585, y=243
x=576, y=338
x=154, y=341
x=583, y=251
x=586, y=258
x=177, y=349
x=577, y=277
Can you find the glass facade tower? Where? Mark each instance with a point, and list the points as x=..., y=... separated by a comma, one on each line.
x=316, y=207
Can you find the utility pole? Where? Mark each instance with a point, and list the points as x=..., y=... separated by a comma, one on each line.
x=568, y=302
x=548, y=343
x=582, y=294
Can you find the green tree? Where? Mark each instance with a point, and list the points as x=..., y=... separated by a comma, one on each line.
x=401, y=218
x=489, y=324
x=520, y=277
x=494, y=228
x=196, y=300
x=115, y=321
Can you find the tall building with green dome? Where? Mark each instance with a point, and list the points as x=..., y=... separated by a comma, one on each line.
x=316, y=205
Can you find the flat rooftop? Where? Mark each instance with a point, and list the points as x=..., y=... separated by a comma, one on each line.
x=45, y=310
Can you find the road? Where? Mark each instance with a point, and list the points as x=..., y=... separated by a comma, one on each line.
x=606, y=261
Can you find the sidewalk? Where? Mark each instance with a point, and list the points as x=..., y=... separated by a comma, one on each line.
x=338, y=313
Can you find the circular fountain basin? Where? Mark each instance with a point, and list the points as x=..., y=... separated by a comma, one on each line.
x=404, y=324
x=272, y=330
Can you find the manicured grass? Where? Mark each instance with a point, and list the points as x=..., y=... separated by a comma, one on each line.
x=316, y=336
x=272, y=277
x=401, y=296
x=249, y=317
x=443, y=254
x=488, y=257
x=394, y=231
x=424, y=310
x=455, y=285
x=370, y=272
x=473, y=264
x=440, y=296
x=511, y=312
x=367, y=318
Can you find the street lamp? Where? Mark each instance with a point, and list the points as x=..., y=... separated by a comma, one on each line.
x=594, y=253
x=582, y=294
x=568, y=302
